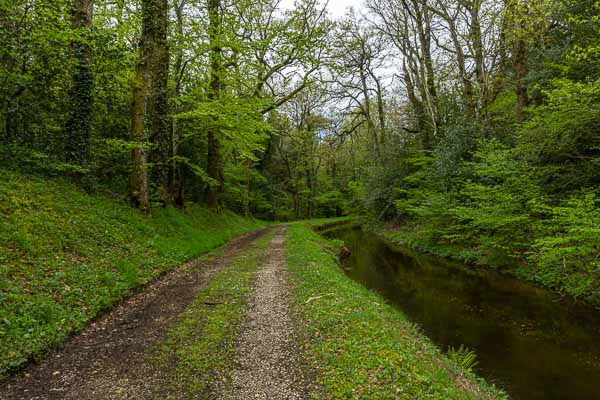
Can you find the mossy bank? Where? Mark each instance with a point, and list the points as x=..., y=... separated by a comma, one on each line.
x=358, y=346
x=66, y=255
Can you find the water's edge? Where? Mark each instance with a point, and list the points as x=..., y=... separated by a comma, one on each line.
x=527, y=341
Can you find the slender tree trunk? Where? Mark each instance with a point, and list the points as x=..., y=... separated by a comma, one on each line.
x=380, y=110
x=451, y=20
x=176, y=182
x=477, y=43
x=520, y=52
x=160, y=134
x=423, y=22
x=79, y=122
x=520, y=56
x=467, y=86
x=215, y=167
x=138, y=180
x=415, y=102
x=367, y=112
x=215, y=171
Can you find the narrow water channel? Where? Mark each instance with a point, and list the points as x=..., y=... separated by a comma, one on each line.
x=528, y=341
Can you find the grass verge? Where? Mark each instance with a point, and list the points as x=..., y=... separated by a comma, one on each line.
x=66, y=255
x=361, y=348
x=201, y=345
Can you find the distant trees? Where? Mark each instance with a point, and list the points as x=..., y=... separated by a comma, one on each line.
x=491, y=132
x=200, y=100
x=149, y=105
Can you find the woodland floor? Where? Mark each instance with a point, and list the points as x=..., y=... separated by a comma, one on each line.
x=110, y=358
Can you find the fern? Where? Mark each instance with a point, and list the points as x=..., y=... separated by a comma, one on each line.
x=464, y=357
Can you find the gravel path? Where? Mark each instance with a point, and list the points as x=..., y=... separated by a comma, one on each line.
x=267, y=361
x=108, y=360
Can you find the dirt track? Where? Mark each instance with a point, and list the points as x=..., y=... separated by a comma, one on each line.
x=109, y=356
x=268, y=362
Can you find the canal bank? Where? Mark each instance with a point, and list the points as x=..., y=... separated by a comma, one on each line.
x=528, y=341
x=359, y=347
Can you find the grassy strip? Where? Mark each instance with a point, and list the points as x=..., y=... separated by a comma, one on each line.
x=66, y=255
x=328, y=223
x=200, y=346
x=360, y=347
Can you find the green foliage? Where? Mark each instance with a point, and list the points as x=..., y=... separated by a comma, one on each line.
x=566, y=255
x=239, y=122
x=66, y=255
x=495, y=207
x=561, y=136
x=464, y=357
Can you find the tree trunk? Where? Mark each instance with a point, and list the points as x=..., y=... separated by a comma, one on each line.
x=215, y=171
x=160, y=134
x=418, y=108
x=521, y=70
x=367, y=112
x=380, y=110
x=423, y=22
x=215, y=167
x=520, y=52
x=477, y=43
x=79, y=122
x=138, y=180
x=176, y=191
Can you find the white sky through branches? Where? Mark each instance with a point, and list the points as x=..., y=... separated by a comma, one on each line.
x=337, y=8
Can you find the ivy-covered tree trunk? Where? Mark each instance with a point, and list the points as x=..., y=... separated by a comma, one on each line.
x=176, y=180
x=517, y=22
x=138, y=180
x=520, y=57
x=161, y=132
x=79, y=122
x=215, y=167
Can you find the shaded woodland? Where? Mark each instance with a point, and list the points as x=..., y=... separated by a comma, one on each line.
x=470, y=126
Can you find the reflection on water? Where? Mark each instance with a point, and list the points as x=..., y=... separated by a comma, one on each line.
x=527, y=341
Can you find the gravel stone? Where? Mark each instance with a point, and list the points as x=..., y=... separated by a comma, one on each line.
x=268, y=363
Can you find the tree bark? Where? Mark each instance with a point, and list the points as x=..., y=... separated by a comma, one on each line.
x=367, y=112
x=161, y=133
x=138, y=180
x=517, y=16
x=380, y=110
x=79, y=122
x=474, y=8
x=467, y=86
x=176, y=188
x=215, y=167
x=520, y=56
x=415, y=102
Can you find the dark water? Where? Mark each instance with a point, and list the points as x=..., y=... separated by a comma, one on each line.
x=528, y=342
